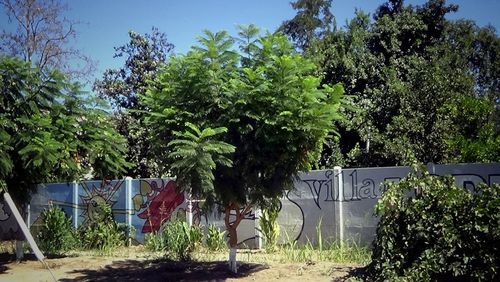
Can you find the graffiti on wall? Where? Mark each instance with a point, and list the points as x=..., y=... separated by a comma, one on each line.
x=156, y=202
x=95, y=195
x=314, y=201
x=9, y=229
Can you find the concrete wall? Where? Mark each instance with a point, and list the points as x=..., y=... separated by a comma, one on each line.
x=340, y=202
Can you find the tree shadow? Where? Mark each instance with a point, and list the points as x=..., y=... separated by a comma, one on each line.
x=6, y=258
x=163, y=270
x=357, y=273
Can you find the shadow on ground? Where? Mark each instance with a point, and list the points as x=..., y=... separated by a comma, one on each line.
x=356, y=273
x=5, y=258
x=161, y=270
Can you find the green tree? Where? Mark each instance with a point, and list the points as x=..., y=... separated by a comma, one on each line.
x=50, y=133
x=312, y=21
x=406, y=70
x=144, y=55
x=195, y=154
x=276, y=113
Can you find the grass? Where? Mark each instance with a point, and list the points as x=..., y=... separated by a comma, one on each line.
x=347, y=253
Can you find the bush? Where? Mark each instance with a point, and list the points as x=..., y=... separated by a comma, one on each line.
x=430, y=229
x=215, y=238
x=270, y=227
x=176, y=239
x=56, y=235
x=101, y=232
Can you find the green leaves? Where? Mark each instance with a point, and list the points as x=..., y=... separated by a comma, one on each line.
x=431, y=229
x=263, y=113
x=195, y=155
x=49, y=132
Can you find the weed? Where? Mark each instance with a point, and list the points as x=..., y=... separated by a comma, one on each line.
x=101, y=232
x=270, y=227
x=56, y=235
x=215, y=238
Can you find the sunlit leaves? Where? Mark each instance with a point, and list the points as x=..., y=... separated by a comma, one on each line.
x=49, y=132
x=276, y=113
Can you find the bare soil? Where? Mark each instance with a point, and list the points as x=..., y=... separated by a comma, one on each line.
x=130, y=267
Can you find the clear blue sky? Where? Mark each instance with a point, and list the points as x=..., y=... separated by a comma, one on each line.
x=108, y=21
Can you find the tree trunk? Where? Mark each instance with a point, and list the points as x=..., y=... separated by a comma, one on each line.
x=231, y=229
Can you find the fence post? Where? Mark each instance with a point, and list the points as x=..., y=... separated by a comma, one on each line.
x=75, y=204
x=340, y=184
x=128, y=206
x=189, y=211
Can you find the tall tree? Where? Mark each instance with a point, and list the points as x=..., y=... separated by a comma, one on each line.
x=312, y=21
x=144, y=56
x=49, y=132
x=407, y=69
x=276, y=114
x=41, y=35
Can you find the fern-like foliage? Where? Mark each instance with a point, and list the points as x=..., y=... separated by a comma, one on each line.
x=195, y=155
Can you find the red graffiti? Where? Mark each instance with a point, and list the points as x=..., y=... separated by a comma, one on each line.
x=161, y=207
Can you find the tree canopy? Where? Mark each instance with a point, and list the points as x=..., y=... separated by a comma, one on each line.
x=144, y=55
x=267, y=104
x=411, y=71
x=49, y=132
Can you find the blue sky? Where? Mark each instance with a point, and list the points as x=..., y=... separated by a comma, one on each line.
x=107, y=22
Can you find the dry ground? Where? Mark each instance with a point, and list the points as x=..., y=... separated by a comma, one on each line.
x=136, y=265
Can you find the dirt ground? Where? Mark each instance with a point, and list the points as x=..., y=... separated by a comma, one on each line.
x=140, y=268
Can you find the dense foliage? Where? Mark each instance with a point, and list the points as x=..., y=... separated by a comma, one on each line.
x=176, y=239
x=50, y=131
x=255, y=119
x=427, y=86
x=276, y=114
x=100, y=231
x=144, y=55
x=56, y=235
x=432, y=230
x=215, y=239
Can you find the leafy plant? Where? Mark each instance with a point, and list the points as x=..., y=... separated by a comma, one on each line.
x=128, y=231
x=56, y=235
x=100, y=231
x=270, y=227
x=430, y=229
x=215, y=238
x=154, y=242
x=176, y=239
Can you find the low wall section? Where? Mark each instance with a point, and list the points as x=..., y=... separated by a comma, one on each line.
x=339, y=203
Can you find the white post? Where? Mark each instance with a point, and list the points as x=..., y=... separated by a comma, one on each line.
x=232, y=260
x=189, y=211
x=75, y=204
x=340, y=183
x=258, y=233
x=128, y=206
x=19, y=250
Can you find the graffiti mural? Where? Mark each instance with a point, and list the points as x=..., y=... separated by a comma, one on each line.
x=156, y=202
x=9, y=229
x=337, y=203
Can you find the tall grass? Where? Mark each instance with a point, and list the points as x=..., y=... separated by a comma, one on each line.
x=325, y=250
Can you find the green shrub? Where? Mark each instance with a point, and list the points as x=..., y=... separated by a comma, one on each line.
x=101, y=232
x=430, y=230
x=176, y=239
x=56, y=235
x=215, y=238
x=154, y=242
x=128, y=232
x=270, y=227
